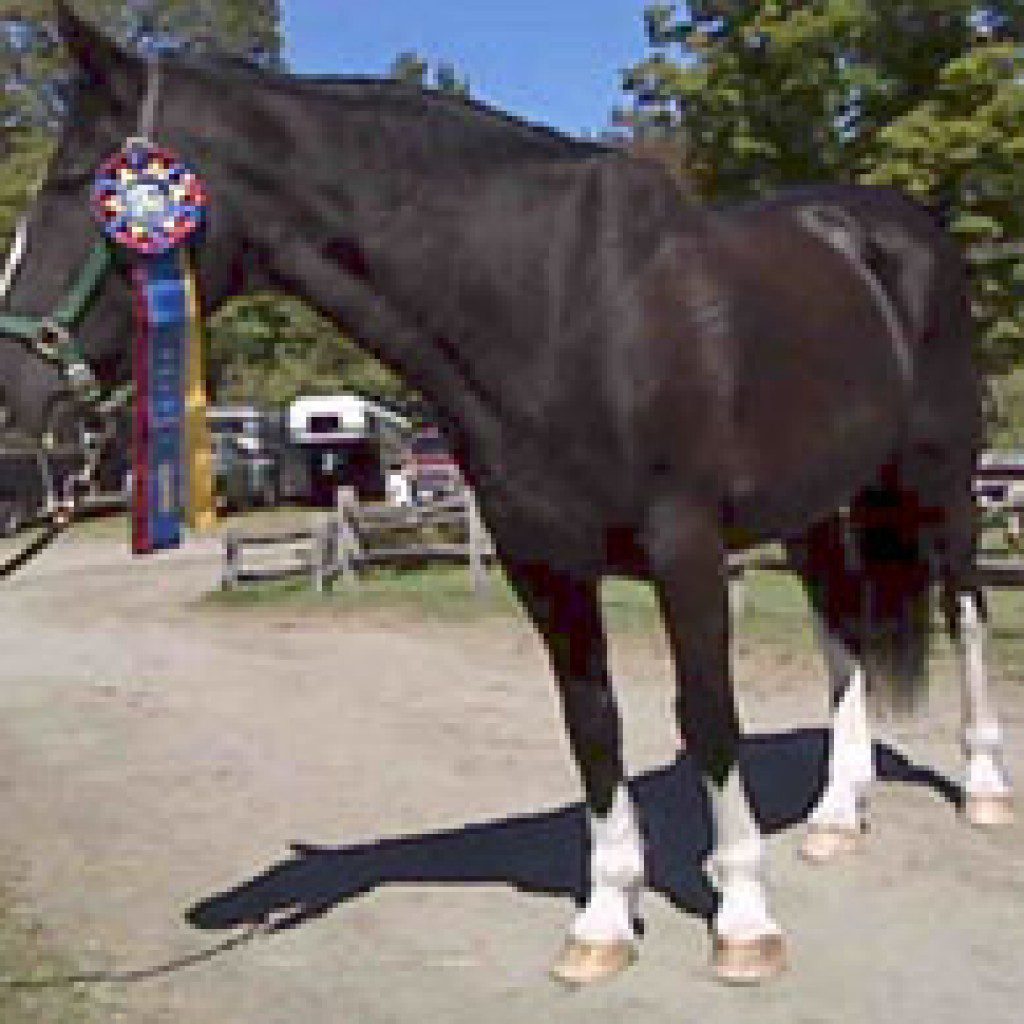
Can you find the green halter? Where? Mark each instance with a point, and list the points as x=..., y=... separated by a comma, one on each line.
x=53, y=338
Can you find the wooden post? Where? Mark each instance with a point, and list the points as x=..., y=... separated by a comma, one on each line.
x=477, y=543
x=316, y=560
x=323, y=557
x=346, y=539
x=738, y=593
x=229, y=579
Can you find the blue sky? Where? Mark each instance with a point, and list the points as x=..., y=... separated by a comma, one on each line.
x=553, y=61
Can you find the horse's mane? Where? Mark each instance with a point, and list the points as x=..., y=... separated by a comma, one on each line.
x=474, y=112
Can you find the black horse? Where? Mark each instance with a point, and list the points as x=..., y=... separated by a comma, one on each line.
x=632, y=383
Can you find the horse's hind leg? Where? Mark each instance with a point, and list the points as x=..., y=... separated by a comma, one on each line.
x=566, y=611
x=988, y=795
x=838, y=819
x=688, y=562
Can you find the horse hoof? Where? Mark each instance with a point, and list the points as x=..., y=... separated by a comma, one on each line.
x=748, y=962
x=582, y=963
x=824, y=843
x=990, y=811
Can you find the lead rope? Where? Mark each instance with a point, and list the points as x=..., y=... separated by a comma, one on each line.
x=147, y=114
x=54, y=528
x=127, y=977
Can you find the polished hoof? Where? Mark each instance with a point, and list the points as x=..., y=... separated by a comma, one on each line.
x=823, y=843
x=582, y=962
x=748, y=962
x=989, y=811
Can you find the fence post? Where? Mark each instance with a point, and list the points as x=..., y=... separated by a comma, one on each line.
x=738, y=592
x=323, y=557
x=477, y=543
x=229, y=578
x=347, y=541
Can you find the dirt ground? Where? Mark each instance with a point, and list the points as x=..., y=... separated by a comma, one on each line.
x=396, y=797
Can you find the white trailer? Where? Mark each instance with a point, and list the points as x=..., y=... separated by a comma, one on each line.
x=343, y=441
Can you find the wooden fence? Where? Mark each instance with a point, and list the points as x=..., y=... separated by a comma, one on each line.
x=993, y=571
x=260, y=558
x=362, y=536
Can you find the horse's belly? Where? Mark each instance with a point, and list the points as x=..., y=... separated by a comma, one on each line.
x=779, y=485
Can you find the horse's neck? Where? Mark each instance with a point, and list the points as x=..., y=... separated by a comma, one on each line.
x=380, y=246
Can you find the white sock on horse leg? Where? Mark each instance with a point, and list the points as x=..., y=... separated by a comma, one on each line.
x=986, y=775
x=736, y=865
x=616, y=874
x=851, y=763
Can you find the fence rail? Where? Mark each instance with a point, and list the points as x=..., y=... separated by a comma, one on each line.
x=361, y=536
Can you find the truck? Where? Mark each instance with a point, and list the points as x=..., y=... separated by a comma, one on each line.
x=432, y=470
x=247, y=453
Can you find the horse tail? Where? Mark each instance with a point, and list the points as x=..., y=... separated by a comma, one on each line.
x=896, y=596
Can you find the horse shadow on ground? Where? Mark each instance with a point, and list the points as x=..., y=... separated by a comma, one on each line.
x=544, y=853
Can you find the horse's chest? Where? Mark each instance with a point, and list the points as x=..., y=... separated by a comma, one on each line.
x=539, y=511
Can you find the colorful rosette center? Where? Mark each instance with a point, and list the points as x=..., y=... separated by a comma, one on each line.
x=145, y=199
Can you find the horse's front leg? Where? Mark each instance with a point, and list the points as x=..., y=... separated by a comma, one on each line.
x=566, y=611
x=689, y=565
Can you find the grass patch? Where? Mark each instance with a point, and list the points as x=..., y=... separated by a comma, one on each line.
x=438, y=593
x=25, y=956
x=776, y=613
x=446, y=594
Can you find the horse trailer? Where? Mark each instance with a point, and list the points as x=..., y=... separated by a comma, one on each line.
x=340, y=441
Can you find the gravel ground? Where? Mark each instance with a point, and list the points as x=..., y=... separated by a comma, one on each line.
x=396, y=797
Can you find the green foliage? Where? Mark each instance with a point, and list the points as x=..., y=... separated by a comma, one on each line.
x=268, y=349
x=922, y=94
x=1006, y=413
x=442, y=76
x=27, y=151
x=264, y=348
x=34, y=74
x=963, y=145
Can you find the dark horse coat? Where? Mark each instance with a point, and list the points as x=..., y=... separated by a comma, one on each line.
x=633, y=383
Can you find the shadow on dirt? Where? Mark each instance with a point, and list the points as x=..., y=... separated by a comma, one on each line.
x=544, y=853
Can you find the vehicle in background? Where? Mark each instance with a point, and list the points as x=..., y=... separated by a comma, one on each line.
x=999, y=491
x=26, y=495
x=433, y=472
x=340, y=441
x=246, y=457
x=22, y=491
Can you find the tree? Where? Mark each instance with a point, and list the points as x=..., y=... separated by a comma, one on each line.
x=268, y=350
x=263, y=348
x=925, y=95
x=34, y=80
x=35, y=83
x=411, y=67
